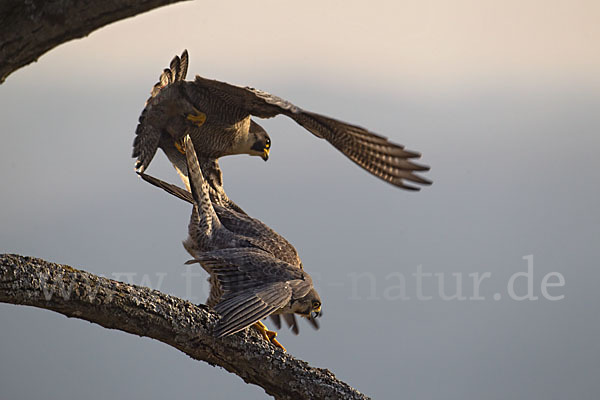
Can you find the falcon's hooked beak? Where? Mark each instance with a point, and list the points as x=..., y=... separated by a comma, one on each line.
x=261, y=148
x=265, y=154
x=316, y=311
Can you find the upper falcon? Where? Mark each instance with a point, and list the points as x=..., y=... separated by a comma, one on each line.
x=217, y=116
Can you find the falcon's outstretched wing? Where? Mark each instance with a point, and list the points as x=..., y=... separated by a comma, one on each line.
x=375, y=153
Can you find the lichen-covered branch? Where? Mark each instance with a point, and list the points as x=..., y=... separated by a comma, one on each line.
x=29, y=28
x=178, y=323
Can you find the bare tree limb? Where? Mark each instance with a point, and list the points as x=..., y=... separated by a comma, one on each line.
x=178, y=323
x=29, y=28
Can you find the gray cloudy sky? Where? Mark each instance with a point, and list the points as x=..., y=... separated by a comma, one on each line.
x=501, y=98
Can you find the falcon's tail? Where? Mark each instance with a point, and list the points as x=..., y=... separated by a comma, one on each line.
x=199, y=196
x=199, y=187
x=169, y=188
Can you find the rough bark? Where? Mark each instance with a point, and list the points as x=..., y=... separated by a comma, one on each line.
x=29, y=28
x=178, y=323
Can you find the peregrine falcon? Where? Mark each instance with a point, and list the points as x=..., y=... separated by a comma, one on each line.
x=161, y=121
x=254, y=272
x=252, y=229
x=217, y=116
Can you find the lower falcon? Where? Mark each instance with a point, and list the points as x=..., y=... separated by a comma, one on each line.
x=254, y=272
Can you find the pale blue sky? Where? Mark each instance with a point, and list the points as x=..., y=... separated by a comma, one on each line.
x=501, y=98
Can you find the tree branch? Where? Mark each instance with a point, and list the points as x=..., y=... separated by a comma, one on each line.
x=178, y=323
x=29, y=28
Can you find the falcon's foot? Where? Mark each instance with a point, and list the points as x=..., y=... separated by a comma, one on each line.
x=180, y=146
x=198, y=118
x=267, y=334
x=180, y=143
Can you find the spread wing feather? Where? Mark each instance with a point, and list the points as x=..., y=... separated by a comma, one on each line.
x=375, y=153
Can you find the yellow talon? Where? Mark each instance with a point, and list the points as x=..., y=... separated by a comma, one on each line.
x=267, y=334
x=180, y=147
x=198, y=118
x=277, y=344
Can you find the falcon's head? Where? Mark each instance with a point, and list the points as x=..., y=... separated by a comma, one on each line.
x=308, y=306
x=260, y=141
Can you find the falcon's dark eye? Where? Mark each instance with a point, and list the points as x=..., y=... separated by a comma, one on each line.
x=316, y=305
x=268, y=143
